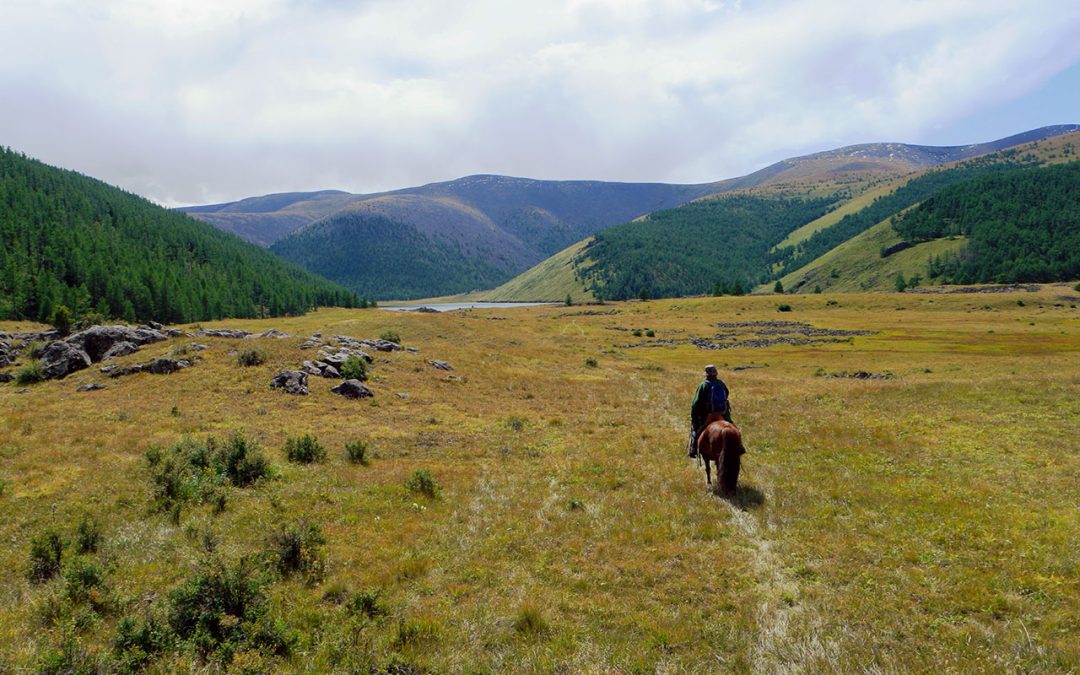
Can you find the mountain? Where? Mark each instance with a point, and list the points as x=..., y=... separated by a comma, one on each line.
x=495, y=227
x=66, y=239
x=827, y=239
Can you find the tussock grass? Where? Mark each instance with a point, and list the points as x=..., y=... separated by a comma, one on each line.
x=924, y=523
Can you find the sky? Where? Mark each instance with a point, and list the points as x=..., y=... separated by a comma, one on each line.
x=200, y=101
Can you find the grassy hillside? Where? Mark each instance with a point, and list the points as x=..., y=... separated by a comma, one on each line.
x=66, y=239
x=568, y=532
x=857, y=264
x=553, y=280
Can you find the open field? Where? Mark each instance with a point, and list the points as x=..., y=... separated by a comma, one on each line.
x=925, y=522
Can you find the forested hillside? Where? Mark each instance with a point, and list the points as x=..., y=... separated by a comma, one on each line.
x=713, y=245
x=381, y=258
x=66, y=239
x=1022, y=225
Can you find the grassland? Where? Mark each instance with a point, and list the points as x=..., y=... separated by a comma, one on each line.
x=925, y=522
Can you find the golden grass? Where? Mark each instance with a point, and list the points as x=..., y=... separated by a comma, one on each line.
x=923, y=523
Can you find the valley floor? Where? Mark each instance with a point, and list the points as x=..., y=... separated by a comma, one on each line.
x=925, y=521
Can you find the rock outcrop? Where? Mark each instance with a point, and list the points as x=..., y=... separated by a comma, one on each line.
x=291, y=382
x=159, y=366
x=352, y=389
x=60, y=359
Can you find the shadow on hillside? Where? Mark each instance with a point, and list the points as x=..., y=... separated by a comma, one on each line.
x=746, y=497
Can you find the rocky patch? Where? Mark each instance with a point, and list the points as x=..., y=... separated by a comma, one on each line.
x=862, y=375
x=94, y=386
x=440, y=365
x=291, y=382
x=1002, y=288
x=761, y=334
x=233, y=333
x=312, y=342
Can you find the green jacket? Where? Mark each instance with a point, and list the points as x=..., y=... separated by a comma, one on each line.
x=702, y=404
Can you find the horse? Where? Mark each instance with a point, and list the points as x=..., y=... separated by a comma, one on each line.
x=721, y=442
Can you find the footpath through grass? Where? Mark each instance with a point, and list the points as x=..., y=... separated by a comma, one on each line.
x=532, y=510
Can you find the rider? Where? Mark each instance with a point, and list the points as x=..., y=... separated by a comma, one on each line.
x=711, y=397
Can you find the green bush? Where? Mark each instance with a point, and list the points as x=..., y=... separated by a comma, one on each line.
x=61, y=319
x=783, y=308
x=87, y=536
x=193, y=471
x=354, y=368
x=304, y=450
x=138, y=642
x=251, y=357
x=391, y=336
x=46, y=550
x=29, y=373
x=240, y=460
x=222, y=610
x=423, y=482
x=367, y=603
x=649, y=332
x=84, y=582
x=298, y=549
x=591, y=363
x=356, y=452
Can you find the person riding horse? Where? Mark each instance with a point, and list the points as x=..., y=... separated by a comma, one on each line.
x=711, y=397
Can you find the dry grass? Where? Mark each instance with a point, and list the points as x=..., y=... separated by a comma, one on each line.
x=922, y=523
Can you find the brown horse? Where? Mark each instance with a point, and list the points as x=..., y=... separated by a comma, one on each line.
x=721, y=442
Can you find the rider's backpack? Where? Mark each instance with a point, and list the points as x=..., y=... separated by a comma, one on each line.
x=718, y=398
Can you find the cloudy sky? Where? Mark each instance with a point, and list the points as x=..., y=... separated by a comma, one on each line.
x=194, y=101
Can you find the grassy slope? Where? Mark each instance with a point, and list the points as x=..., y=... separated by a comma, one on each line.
x=853, y=205
x=551, y=280
x=925, y=523
x=860, y=267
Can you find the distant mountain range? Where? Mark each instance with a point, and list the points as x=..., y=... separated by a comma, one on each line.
x=480, y=231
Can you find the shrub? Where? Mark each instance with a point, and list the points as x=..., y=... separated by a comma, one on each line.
x=69, y=657
x=530, y=621
x=240, y=461
x=367, y=603
x=354, y=368
x=356, y=452
x=222, y=610
x=423, y=482
x=298, y=549
x=87, y=536
x=778, y=287
x=61, y=319
x=569, y=300
x=591, y=363
x=88, y=319
x=46, y=549
x=84, y=581
x=304, y=450
x=251, y=357
x=650, y=333
x=29, y=373
x=1076, y=287
x=637, y=332
x=391, y=336
x=514, y=423
x=783, y=308
x=138, y=642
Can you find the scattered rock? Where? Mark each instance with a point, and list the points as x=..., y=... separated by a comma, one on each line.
x=863, y=375
x=402, y=394
x=738, y=368
x=1004, y=288
x=94, y=386
x=159, y=366
x=7, y=352
x=312, y=342
x=108, y=369
x=440, y=365
x=234, y=333
x=196, y=347
x=61, y=359
x=427, y=310
x=352, y=389
x=330, y=371
x=6, y=377
x=313, y=368
x=270, y=333
x=378, y=345
x=291, y=381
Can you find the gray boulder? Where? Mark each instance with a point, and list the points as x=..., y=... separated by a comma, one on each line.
x=6, y=377
x=291, y=381
x=96, y=341
x=93, y=386
x=440, y=365
x=60, y=359
x=7, y=352
x=224, y=332
x=352, y=389
x=122, y=348
x=330, y=371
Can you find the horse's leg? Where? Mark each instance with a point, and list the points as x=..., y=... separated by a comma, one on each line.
x=708, y=471
x=730, y=479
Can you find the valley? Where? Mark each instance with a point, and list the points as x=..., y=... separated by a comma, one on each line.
x=562, y=527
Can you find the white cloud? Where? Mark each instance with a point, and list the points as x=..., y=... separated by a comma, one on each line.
x=195, y=101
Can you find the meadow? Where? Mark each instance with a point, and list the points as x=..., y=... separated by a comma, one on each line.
x=926, y=521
